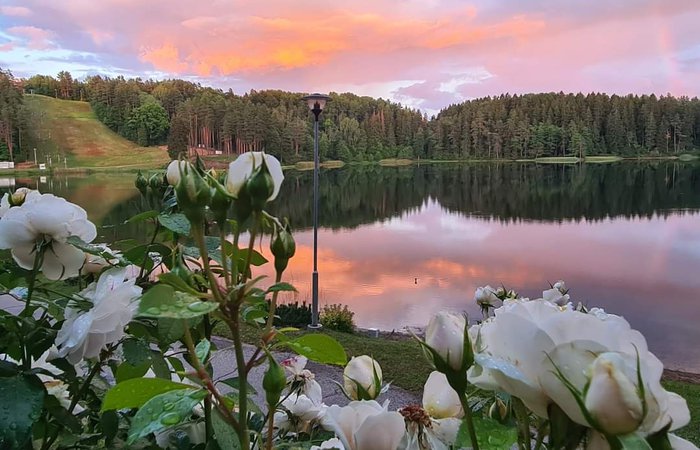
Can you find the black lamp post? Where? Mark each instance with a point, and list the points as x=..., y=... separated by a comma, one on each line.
x=316, y=104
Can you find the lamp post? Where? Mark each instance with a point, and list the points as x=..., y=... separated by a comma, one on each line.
x=316, y=103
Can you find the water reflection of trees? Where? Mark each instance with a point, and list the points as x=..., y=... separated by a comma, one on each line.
x=510, y=192
x=356, y=195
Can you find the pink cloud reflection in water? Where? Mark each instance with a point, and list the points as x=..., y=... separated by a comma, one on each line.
x=398, y=272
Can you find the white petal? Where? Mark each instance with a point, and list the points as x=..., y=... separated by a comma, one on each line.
x=680, y=444
x=275, y=169
x=238, y=172
x=439, y=399
x=383, y=431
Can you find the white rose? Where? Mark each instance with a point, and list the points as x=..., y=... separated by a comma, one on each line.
x=516, y=350
x=53, y=220
x=303, y=409
x=361, y=371
x=175, y=170
x=95, y=263
x=486, y=297
x=243, y=167
x=612, y=397
x=365, y=425
x=440, y=401
x=21, y=196
x=85, y=333
x=445, y=335
x=556, y=296
x=302, y=378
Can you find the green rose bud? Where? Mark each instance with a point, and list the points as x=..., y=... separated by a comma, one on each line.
x=274, y=382
x=141, y=184
x=282, y=246
x=19, y=196
x=193, y=195
x=156, y=182
x=260, y=187
x=220, y=200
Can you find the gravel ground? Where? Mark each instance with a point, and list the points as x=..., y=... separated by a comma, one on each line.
x=224, y=363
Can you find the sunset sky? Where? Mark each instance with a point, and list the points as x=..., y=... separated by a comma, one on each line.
x=423, y=53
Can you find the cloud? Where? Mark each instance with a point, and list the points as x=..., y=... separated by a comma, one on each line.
x=35, y=38
x=16, y=11
x=425, y=54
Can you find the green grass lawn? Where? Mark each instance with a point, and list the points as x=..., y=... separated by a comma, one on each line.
x=70, y=129
x=404, y=364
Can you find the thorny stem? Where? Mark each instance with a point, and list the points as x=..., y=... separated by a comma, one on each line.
x=468, y=418
x=204, y=376
x=273, y=304
x=224, y=260
x=38, y=259
x=145, y=256
x=198, y=233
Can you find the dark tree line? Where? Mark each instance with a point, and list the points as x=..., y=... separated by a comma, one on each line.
x=12, y=115
x=190, y=117
x=538, y=125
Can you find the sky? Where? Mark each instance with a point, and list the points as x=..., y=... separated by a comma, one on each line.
x=425, y=54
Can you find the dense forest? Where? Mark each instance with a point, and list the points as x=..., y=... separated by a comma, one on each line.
x=189, y=117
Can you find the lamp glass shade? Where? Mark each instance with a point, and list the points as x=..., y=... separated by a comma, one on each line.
x=314, y=99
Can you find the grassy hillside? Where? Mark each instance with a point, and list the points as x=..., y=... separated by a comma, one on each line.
x=66, y=128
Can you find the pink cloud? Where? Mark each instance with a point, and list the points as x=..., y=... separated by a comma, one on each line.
x=371, y=46
x=36, y=38
x=16, y=11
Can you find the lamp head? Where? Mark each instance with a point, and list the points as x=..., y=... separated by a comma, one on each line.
x=316, y=103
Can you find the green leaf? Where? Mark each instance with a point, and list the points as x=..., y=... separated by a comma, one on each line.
x=179, y=284
x=136, y=352
x=163, y=301
x=143, y=216
x=280, y=287
x=177, y=223
x=127, y=371
x=109, y=422
x=137, y=391
x=320, y=348
x=256, y=259
x=224, y=434
x=164, y=411
x=490, y=434
x=202, y=349
x=170, y=330
x=22, y=402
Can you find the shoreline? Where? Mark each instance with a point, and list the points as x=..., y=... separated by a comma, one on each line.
x=335, y=164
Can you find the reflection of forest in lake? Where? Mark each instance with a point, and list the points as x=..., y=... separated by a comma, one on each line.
x=357, y=195
x=399, y=243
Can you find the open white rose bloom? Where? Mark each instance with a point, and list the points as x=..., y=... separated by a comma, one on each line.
x=520, y=349
x=48, y=221
x=114, y=301
x=240, y=170
x=365, y=425
x=435, y=425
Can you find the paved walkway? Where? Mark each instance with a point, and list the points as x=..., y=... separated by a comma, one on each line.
x=224, y=363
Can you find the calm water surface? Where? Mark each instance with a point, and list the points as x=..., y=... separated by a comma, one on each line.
x=398, y=244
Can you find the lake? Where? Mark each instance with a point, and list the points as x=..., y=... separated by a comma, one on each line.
x=399, y=243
